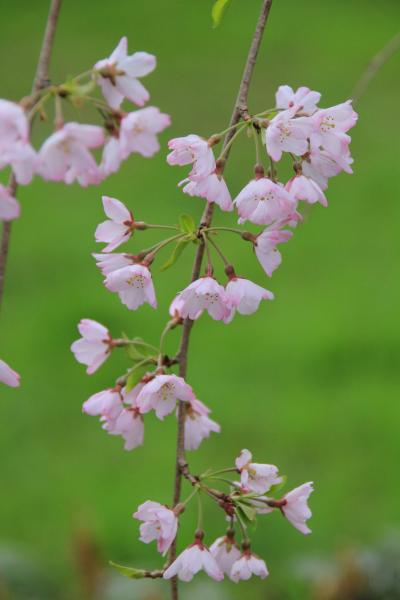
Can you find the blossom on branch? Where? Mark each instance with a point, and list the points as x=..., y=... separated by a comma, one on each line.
x=133, y=284
x=256, y=477
x=95, y=345
x=247, y=565
x=198, y=425
x=287, y=134
x=295, y=508
x=265, y=247
x=302, y=100
x=129, y=422
x=192, y=149
x=245, y=296
x=305, y=188
x=212, y=188
x=107, y=403
x=203, y=294
x=9, y=206
x=160, y=523
x=119, y=75
x=225, y=552
x=139, y=129
x=192, y=560
x=15, y=149
x=118, y=228
x=162, y=393
x=264, y=202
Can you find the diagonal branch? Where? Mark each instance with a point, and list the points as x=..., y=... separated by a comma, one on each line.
x=239, y=111
x=40, y=81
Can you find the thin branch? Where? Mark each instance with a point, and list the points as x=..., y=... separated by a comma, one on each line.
x=40, y=81
x=375, y=66
x=239, y=111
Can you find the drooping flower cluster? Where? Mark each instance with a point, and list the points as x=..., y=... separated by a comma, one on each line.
x=317, y=142
x=67, y=154
x=245, y=500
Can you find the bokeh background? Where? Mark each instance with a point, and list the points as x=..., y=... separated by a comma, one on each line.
x=310, y=382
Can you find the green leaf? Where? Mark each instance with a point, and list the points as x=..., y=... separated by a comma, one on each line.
x=187, y=224
x=278, y=486
x=135, y=377
x=246, y=512
x=179, y=248
x=217, y=11
x=134, y=352
x=128, y=571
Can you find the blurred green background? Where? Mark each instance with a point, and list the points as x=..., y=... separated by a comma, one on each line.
x=310, y=382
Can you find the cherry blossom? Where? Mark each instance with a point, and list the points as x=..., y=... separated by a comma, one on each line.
x=245, y=296
x=302, y=100
x=8, y=375
x=119, y=75
x=95, y=345
x=287, y=134
x=203, y=294
x=198, y=425
x=256, y=477
x=295, y=508
x=249, y=564
x=107, y=403
x=212, y=188
x=264, y=202
x=305, y=188
x=133, y=284
x=162, y=393
x=129, y=422
x=160, y=523
x=330, y=127
x=23, y=160
x=9, y=206
x=139, y=131
x=14, y=126
x=65, y=155
x=192, y=149
x=107, y=263
x=192, y=560
x=112, y=156
x=118, y=228
x=225, y=552
x=320, y=166
x=265, y=248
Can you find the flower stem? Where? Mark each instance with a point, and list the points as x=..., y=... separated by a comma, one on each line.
x=219, y=252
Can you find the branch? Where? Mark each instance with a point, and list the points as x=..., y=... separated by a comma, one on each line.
x=239, y=110
x=374, y=67
x=40, y=81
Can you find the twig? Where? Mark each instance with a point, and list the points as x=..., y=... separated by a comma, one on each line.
x=374, y=67
x=239, y=111
x=40, y=81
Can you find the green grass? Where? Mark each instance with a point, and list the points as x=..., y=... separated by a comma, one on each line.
x=310, y=382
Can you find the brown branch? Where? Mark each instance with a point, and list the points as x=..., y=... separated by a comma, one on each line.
x=239, y=111
x=374, y=67
x=40, y=81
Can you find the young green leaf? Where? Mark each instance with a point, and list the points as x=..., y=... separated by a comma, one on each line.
x=135, y=377
x=187, y=224
x=128, y=571
x=217, y=11
x=179, y=248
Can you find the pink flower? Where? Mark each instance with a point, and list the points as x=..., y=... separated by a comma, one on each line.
x=256, y=477
x=95, y=345
x=119, y=228
x=119, y=75
x=14, y=126
x=134, y=286
x=295, y=507
x=112, y=156
x=160, y=523
x=23, y=160
x=212, y=188
x=8, y=376
x=287, y=134
x=65, y=155
x=264, y=202
x=107, y=403
x=320, y=166
x=192, y=560
x=129, y=422
x=305, y=188
x=192, y=149
x=225, y=552
x=162, y=393
x=107, y=263
x=249, y=564
x=198, y=425
x=330, y=126
x=302, y=100
x=9, y=206
x=139, y=131
x=245, y=296
x=203, y=294
x=265, y=248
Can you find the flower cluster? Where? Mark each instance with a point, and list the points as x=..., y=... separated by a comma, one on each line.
x=66, y=155
x=317, y=142
x=245, y=500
